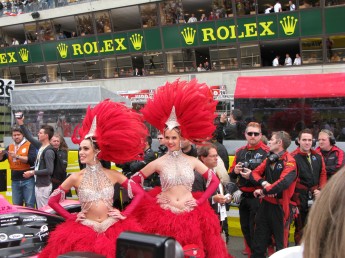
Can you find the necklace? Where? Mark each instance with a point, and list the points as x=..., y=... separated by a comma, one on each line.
x=175, y=153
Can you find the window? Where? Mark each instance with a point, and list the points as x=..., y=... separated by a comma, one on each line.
x=5, y=73
x=109, y=68
x=174, y=61
x=171, y=11
x=222, y=9
x=335, y=48
x=190, y=59
x=85, y=24
x=127, y=18
x=250, y=56
x=79, y=71
x=35, y=73
x=66, y=25
x=15, y=74
x=45, y=31
x=308, y=4
x=154, y=63
x=66, y=72
x=334, y=2
x=124, y=64
x=52, y=70
x=245, y=7
x=311, y=50
x=93, y=70
x=149, y=15
x=224, y=58
x=103, y=22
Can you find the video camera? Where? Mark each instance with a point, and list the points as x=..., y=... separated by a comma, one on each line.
x=133, y=245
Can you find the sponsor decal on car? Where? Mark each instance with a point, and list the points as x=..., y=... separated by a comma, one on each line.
x=43, y=232
x=3, y=237
x=16, y=236
x=34, y=218
x=9, y=220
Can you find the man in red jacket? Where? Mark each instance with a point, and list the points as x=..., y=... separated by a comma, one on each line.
x=332, y=155
x=311, y=178
x=277, y=175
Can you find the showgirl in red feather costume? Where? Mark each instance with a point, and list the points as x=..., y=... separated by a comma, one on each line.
x=112, y=132
x=181, y=109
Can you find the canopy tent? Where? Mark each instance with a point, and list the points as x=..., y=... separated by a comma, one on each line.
x=291, y=86
x=62, y=98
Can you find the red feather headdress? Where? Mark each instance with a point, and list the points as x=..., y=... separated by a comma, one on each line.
x=119, y=131
x=194, y=109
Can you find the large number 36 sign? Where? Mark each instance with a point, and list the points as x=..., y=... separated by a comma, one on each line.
x=6, y=86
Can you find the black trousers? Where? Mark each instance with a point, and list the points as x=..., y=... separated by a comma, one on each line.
x=248, y=209
x=269, y=221
x=301, y=219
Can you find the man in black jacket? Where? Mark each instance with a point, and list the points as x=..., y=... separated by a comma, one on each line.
x=247, y=158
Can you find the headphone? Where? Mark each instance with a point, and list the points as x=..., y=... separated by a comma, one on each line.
x=313, y=144
x=330, y=136
x=273, y=157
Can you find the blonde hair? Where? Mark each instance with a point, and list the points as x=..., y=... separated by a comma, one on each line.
x=324, y=234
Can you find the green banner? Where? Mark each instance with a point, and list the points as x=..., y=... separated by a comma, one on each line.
x=284, y=25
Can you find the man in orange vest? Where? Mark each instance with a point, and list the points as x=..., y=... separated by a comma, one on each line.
x=21, y=155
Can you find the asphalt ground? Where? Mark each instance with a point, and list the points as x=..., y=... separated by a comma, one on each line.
x=236, y=246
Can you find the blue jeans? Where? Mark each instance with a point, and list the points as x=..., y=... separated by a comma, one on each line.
x=23, y=191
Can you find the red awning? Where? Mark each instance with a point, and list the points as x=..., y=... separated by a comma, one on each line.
x=291, y=86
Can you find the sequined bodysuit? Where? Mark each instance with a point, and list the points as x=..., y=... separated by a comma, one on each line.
x=95, y=187
x=175, y=171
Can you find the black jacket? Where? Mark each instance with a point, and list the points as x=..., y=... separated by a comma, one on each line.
x=254, y=156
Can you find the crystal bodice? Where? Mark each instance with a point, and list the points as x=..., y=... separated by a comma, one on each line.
x=176, y=171
x=95, y=187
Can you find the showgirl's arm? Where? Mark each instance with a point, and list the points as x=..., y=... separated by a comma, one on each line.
x=59, y=195
x=212, y=180
x=148, y=170
x=135, y=191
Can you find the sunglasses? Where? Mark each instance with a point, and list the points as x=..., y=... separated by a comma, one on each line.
x=253, y=133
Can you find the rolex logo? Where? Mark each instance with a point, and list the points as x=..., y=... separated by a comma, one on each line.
x=289, y=24
x=136, y=40
x=24, y=54
x=62, y=48
x=188, y=35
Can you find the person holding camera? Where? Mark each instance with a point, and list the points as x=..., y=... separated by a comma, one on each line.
x=246, y=159
x=21, y=155
x=277, y=175
x=44, y=164
x=312, y=177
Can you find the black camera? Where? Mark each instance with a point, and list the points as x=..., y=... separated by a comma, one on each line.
x=133, y=245
x=245, y=164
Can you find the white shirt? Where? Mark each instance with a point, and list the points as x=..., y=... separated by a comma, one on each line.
x=192, y=19
x=288, y=61
x=275, y=62
x=292, y=7
x=268, y=10
x=277, y=7
x=297, y=61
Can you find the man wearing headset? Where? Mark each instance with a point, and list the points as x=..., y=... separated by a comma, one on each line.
x=311, y=178
x=277, y=176
x=332, y=155
x=247, y=158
